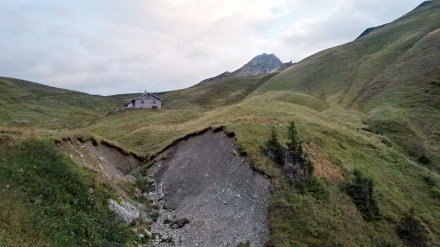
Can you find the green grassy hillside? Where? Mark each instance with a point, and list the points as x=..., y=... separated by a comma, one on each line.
x=222, y=92
x=219, y=93
x=370, y=105
x=47, y=200
x=49, y=107
x=391, y=74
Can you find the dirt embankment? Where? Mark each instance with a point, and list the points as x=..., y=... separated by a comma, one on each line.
x=205, y=181
x=110, y=161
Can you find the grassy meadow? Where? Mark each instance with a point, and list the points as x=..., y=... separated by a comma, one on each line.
x=371, y=105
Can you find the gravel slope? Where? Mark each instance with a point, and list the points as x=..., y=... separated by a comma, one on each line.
x=202, y=179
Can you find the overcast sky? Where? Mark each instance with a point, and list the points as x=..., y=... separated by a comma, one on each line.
x=114, y=46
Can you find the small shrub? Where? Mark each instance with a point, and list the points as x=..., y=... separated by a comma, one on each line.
x=424, y=160
x=412, y=231
x=170, y=240
x=154, y=216
x=247, y=244
x=430, y=181
x=142, y=182
x=361, y=191
x=312, y=186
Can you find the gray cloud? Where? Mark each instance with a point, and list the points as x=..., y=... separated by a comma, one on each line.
x=109, y=47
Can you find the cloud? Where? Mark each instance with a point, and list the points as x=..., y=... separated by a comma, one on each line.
x=111, y=47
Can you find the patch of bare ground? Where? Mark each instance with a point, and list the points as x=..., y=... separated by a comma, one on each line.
x=323, y=167
x=208, y=195
x=109, y=161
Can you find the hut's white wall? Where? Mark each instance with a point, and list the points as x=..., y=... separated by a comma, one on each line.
x=147, y=103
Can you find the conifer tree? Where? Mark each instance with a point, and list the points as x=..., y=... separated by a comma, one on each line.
x=361, y=190
x=294, y=145
x=274, y=148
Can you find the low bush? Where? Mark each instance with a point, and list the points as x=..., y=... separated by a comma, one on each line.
x=424, y=160
x=361, y=191
x=314, y=187
x=247, y=244
x=412, y=230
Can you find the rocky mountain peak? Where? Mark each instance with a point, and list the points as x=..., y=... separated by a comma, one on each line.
x=261, y=64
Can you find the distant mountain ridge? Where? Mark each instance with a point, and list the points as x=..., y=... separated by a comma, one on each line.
x=259, y=65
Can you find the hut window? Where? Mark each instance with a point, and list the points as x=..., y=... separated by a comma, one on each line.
x=154, y=102
x=142, y=102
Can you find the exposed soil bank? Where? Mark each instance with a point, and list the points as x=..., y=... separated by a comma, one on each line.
x=203, y=180
x=110, y=161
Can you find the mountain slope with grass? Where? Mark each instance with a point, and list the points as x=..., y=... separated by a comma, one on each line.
x=339, y=112
x=366, y=114
x=43, y=106
x=391, y=74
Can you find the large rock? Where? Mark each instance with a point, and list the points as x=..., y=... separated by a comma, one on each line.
x=124, y=211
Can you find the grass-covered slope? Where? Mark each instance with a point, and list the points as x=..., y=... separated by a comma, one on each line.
x=223, y=92
x=333, y=137
x=49, y=107
x=370, y=105
x=391, y=74
x=345, y=118
x=46, y=200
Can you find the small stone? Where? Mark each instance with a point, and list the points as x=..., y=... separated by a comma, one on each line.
x=141, y=236
x=134, y=230
x=148, y=233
